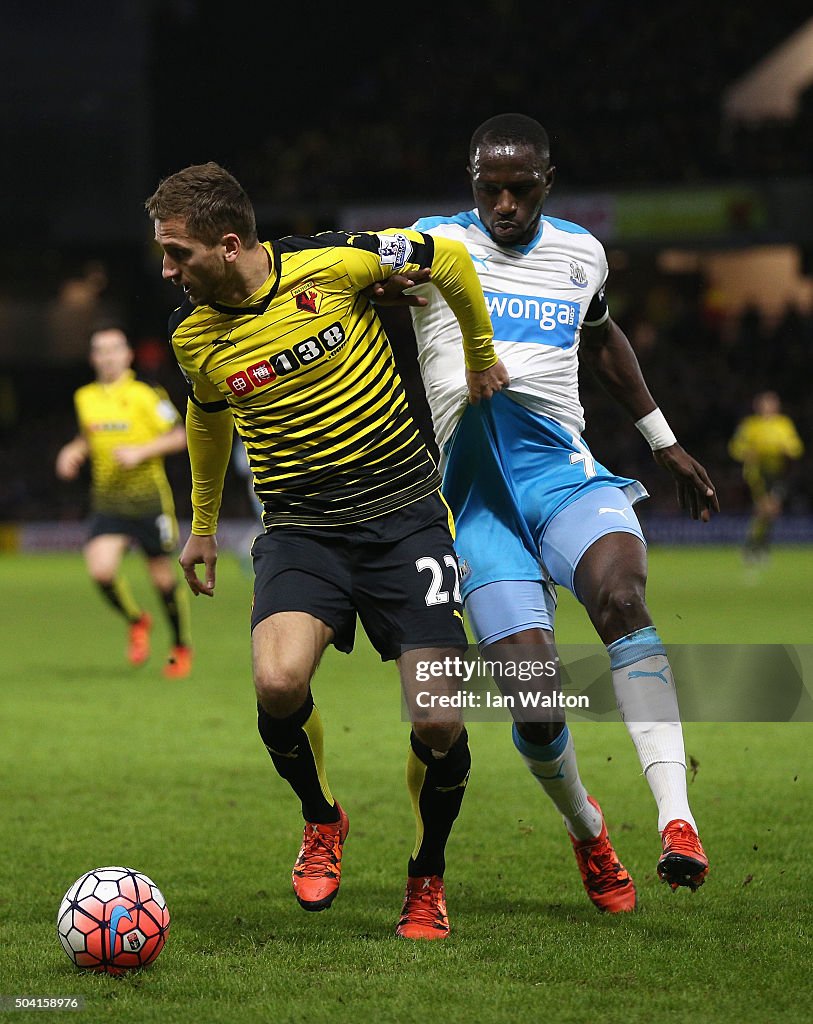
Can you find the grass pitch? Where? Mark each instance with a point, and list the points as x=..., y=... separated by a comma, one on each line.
x=103, y=764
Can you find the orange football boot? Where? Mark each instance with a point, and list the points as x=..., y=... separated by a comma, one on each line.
x=683, y=861
x=318, y=868
x=423, y=915
x=606, y=880
x=138, y=641
x=179, y=663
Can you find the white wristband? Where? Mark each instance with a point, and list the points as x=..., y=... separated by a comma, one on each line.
x=656, y=430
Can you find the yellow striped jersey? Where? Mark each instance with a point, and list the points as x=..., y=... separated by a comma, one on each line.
x=128, y=412
x=308, y=372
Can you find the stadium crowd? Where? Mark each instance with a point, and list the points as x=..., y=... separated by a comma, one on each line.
x=622, y=109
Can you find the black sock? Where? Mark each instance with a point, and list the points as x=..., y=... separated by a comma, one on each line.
x=437, y=786
x=176, y=608
x=119, y=597
x=295, y=746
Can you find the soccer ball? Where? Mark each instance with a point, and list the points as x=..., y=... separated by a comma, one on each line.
x=113, y=919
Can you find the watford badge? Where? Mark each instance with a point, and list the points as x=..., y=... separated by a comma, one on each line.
x=307, y=298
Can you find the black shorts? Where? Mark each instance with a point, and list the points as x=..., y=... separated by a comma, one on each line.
x=155, y=535
x=398, y=573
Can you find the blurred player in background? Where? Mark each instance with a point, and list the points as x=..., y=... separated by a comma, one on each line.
x=765, y=443
x=277, y=340
x=534, y=508
x=126, y=427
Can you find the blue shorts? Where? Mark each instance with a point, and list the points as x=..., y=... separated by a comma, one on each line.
x=528, y=497
x=500, y=609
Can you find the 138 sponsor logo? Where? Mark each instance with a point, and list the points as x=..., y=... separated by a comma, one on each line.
x=300, y=356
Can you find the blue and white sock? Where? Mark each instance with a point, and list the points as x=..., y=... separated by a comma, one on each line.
x=555, y=768
x=647, y=702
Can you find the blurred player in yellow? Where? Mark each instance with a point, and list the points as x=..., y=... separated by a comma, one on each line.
x=126, y=427
x=765, y=443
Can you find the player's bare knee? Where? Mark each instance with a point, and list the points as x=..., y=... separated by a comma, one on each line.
x=438, y=735
x=621, y=609
x=280, y=692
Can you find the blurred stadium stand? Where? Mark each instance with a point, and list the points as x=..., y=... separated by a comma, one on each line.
x=704, y=203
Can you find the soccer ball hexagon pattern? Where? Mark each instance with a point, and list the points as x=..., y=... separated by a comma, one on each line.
x=113, y=919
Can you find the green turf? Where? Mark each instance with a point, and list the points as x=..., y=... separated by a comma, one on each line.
x=102, y=764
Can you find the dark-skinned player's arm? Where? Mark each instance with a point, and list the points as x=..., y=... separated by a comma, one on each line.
x=393, y=290
x=606, y=350
x=453, y=273
x=209, y=439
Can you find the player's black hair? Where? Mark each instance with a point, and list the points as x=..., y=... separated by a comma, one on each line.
x=511, y=129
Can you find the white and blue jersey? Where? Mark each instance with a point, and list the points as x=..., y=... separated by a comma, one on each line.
x=538, y=295
x=514, y=465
